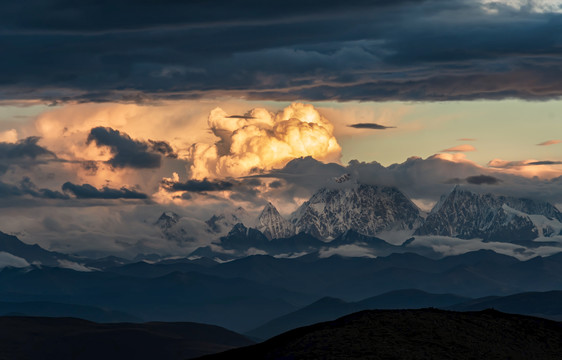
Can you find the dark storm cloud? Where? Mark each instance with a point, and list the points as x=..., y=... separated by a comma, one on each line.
x=308, y=50
x=90, y=166
x=198, y=185
x=547, y=162
x=26, y=148
x=163, y=148
x=372, y=126
x=91, y=16
x=276, y=184
x=27, y=187
x=25, y=152
x=87, y=191
x=126, y=151
x=246, y=189
x=482, y=179
x=240, y=117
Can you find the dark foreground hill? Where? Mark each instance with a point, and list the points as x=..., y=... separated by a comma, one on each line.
x=69, y=338
x=414, y=334
x=327, y=309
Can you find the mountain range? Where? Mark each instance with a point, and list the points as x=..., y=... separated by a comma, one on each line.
x=245, y=293
x=353, y=219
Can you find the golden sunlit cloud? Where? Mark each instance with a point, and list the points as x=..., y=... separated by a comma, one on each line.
x=260, y=140
x=528, y=168
x=460, y=148
x=10, y=136
x=455, y=157
x=550, y=142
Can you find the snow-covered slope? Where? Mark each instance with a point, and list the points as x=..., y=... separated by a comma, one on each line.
x=223, y=222
x=465, y=214
x=367, y=209
x=273, y=225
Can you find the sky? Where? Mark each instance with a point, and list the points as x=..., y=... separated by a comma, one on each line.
x=111, y=113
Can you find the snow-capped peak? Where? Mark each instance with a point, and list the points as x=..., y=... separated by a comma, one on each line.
x=272, y=224
x=466, y=214
x=367, y=209
x=167, y=220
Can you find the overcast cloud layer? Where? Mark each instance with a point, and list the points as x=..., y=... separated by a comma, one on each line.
x=311, y=50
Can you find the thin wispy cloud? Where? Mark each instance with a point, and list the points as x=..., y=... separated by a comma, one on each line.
x=372, y=126
x=241, y=117
x=503, y=164
x=549, y=142
x=460, y=148
x=545, y=162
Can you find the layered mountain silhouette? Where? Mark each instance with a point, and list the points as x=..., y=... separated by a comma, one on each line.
x=329, y=308
x=246, y=293
x=542, y=304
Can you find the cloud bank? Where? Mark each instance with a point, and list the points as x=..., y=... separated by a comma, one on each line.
x=289, y=50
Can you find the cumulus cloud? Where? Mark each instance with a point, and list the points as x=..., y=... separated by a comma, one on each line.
x=87, y=191
x=9, y=136
x=549, y=142
x=263, y=141
x=460, y=148
x=372, y=126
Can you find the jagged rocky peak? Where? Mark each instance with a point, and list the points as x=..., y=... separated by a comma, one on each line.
x=367, y=209
x=238, y=229
x=273, y=225
x=466, y=214
x=167, y=220
x=222, y=222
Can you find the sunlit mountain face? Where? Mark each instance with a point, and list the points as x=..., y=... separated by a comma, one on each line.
x=257, y=157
